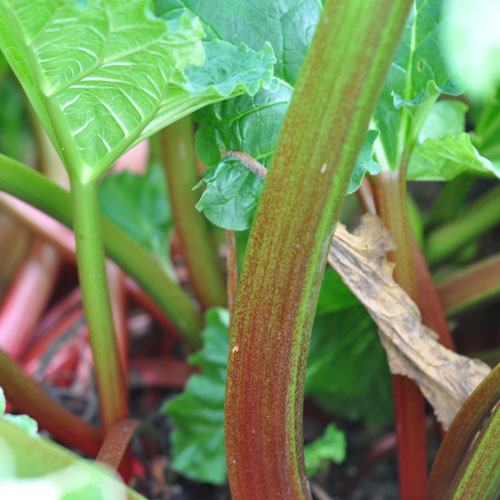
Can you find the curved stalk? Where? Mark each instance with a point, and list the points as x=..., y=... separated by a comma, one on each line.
x=32, y=187
x=286, y=255
x=198, y=248
x=97, y=304
x=461, y=435
x=30, y=399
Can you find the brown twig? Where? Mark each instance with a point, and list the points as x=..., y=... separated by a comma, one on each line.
x=247, y=161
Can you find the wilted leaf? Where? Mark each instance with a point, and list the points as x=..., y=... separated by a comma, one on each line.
x=446, y=379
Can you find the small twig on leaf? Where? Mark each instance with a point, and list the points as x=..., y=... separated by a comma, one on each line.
x=247, y=161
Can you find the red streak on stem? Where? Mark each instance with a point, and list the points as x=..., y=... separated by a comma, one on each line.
x=27, y=298
x=390, y=199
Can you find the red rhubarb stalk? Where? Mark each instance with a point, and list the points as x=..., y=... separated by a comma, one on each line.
x=323, y=131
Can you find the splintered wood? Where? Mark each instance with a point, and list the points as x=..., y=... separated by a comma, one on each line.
x=445, y=378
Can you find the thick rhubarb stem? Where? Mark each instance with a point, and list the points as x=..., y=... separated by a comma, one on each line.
x=323, y=131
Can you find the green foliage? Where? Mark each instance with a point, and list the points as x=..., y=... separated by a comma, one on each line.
x=445, y=158
x=27, y=424
x=138, y=204
x=198, y=413
x=103, y=75
x=34, y=467
x=486, y=135
x=330, y=447
x=416, y=78
x=347, y=370
x=232, y=193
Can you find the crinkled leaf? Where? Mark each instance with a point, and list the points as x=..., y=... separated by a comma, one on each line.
x=288, y=25
x=104, y=74
x=138, y=204
x=471, y=41
x=416, y=77
x=329, y=447
x=198, y=413
x=239, y=123
x=446, y=158
x=229, y=69
x=231, y=195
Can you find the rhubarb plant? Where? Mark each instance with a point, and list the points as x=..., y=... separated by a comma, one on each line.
x=313, y=97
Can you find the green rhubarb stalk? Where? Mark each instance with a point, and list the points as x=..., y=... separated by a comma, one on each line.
x=97, y=304
x=480, y=217
x=470, y=286
x=198, y=247
x=323, y=132
x=33, y=188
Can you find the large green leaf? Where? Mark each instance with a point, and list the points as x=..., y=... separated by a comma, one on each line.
x=447, y=157
x=347, y=370
x=417, y=76
x=104, y=74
